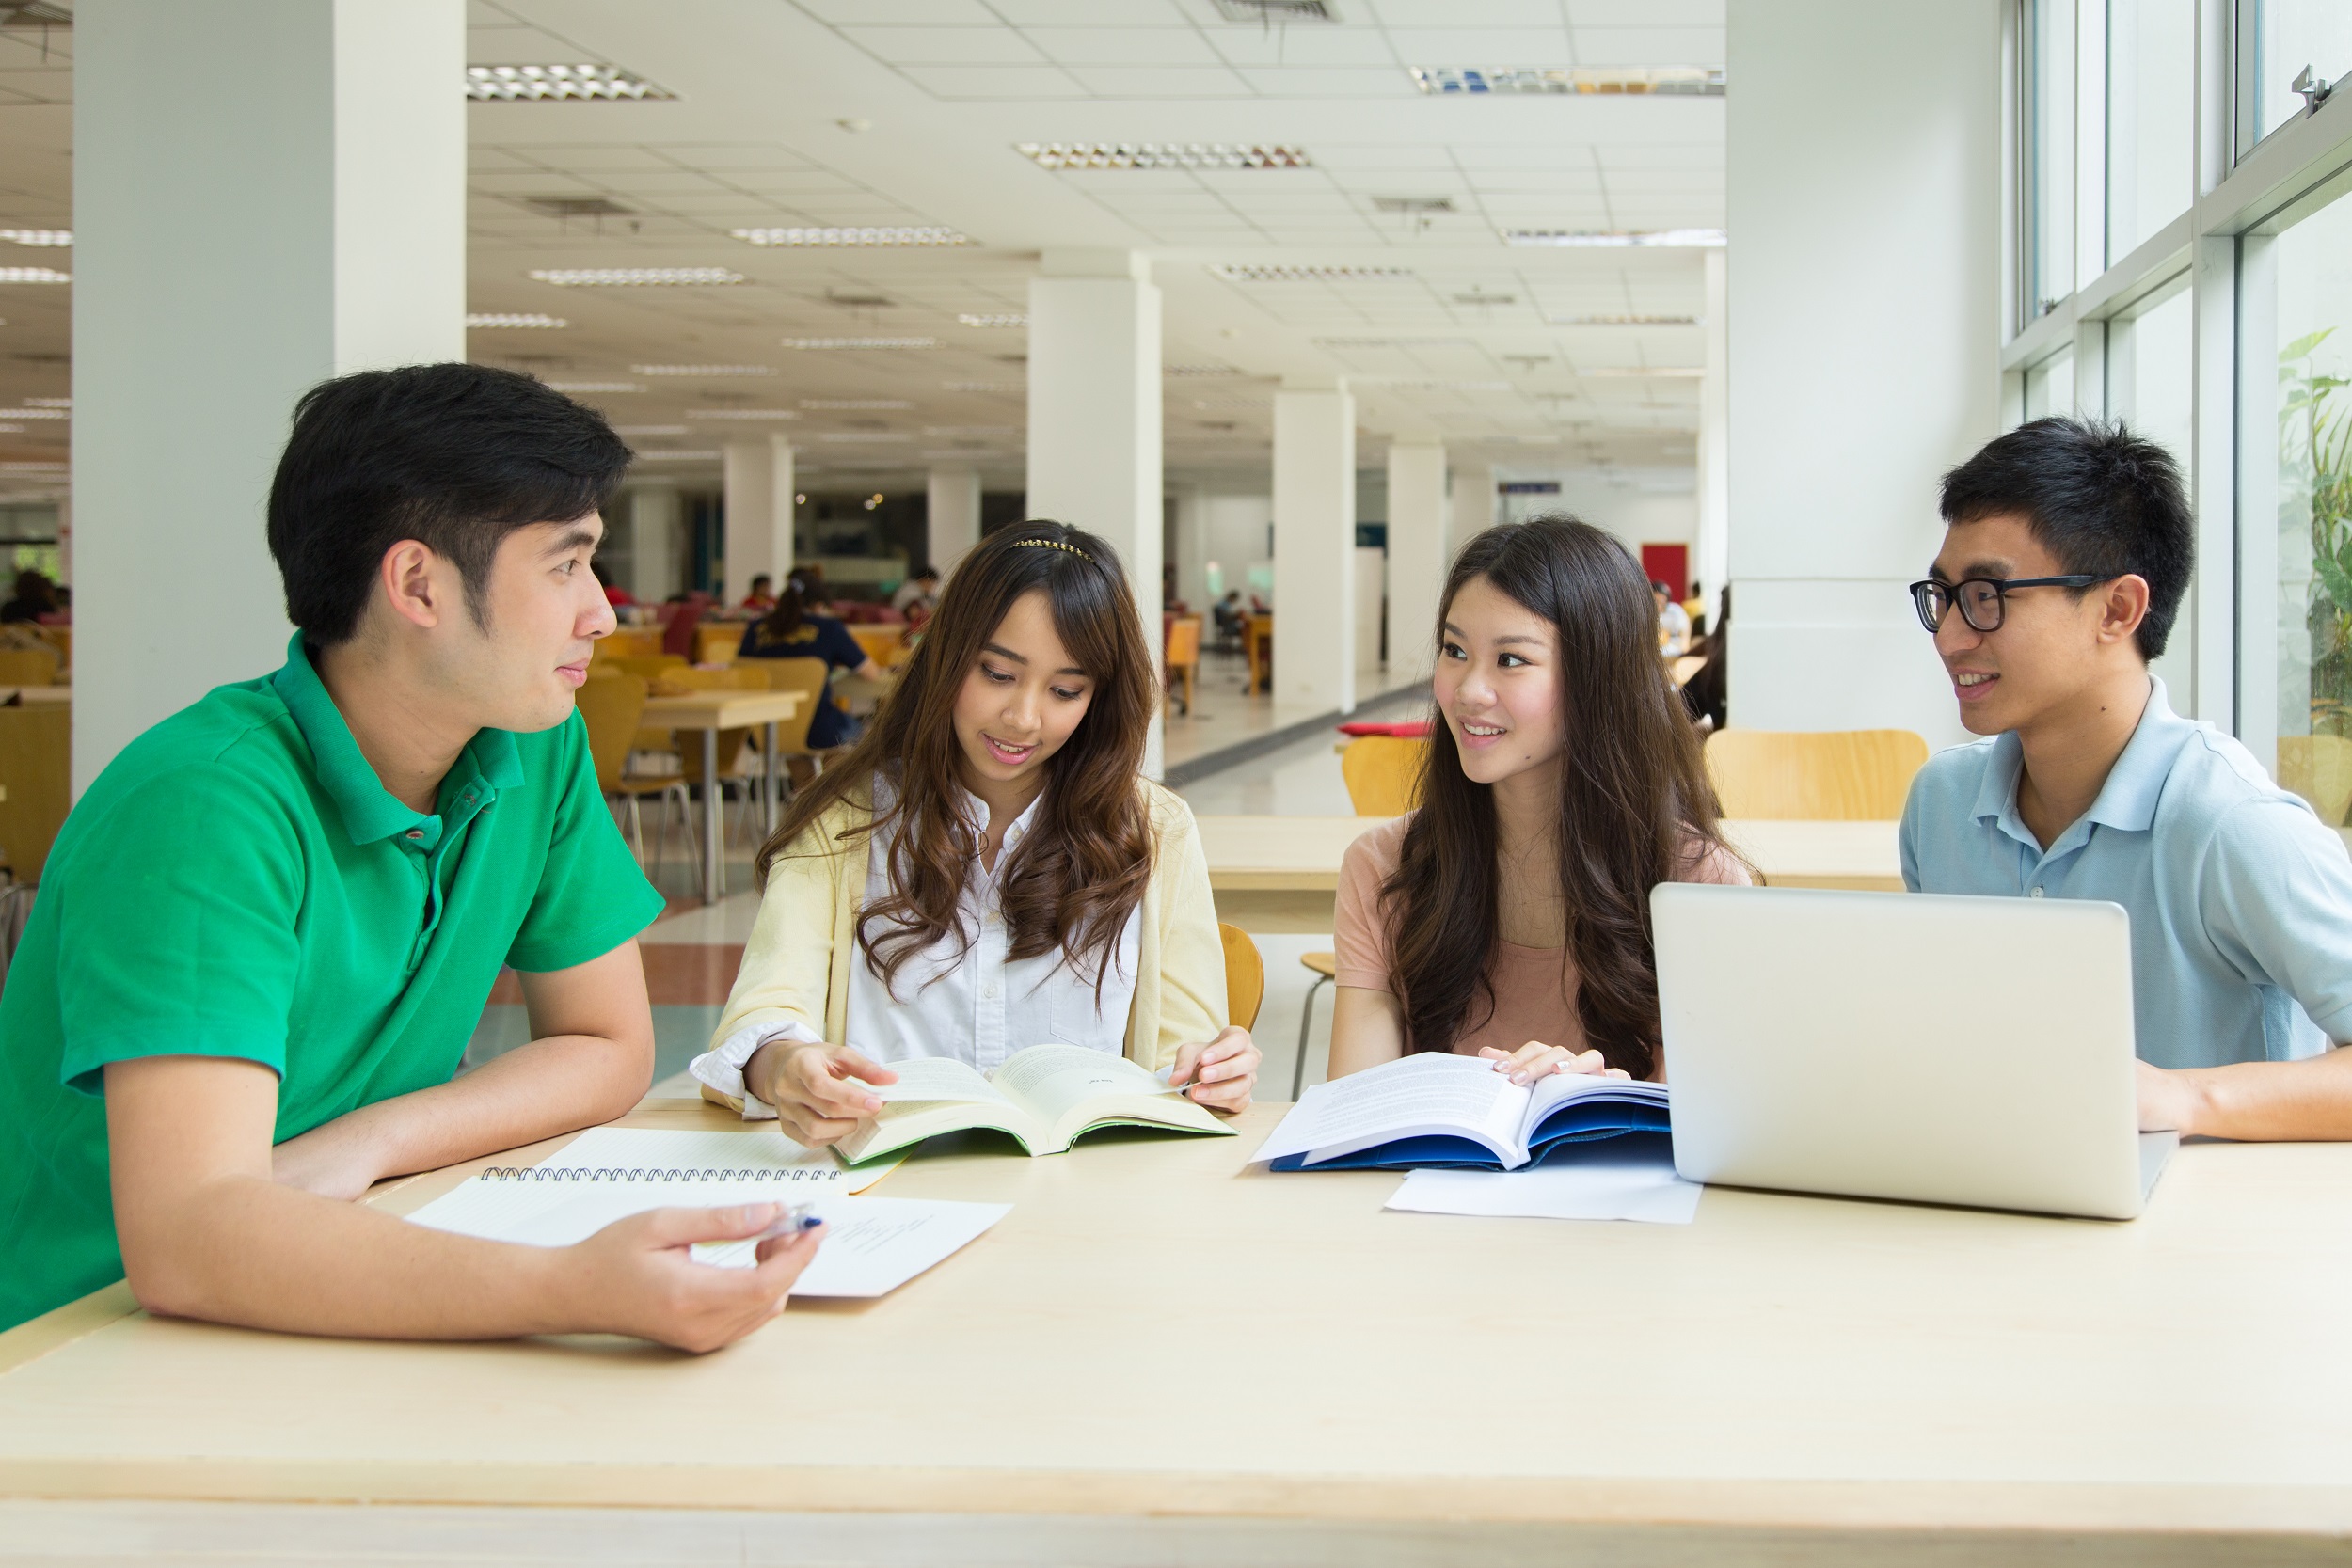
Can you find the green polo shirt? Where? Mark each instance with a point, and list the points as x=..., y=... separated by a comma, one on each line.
x=238, y=882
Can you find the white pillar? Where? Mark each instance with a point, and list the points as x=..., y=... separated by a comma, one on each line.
x=1474, y=496
x=1844, y=413
x=783, y=485
x=1094, y=415
x=235, y=246
x=748, y=472
x=1315, y=547
x=1714, y=479
x=1418, y=557
x=953, y=505
x=655, y=549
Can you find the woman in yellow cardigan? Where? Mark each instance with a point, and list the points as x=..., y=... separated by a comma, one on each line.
x=987, y=870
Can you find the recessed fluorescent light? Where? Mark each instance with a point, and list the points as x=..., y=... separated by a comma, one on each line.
x=848, y=237
x=594, y=387
x=1154, y=154
x=1199, y=370
x=1665, y=82
x=34, y=275
x=740, y=413
x=969, y=430
x=679, y=454
x=865, y=436
x=48, y=403
x=1670, y=372
x=35, y=410
x=1424, y=384
x=1609, y=239
x=1390, y=343
x=984, y=386
x=39, y=236
x=495, y=321
x=635, y=278
x=526, y=81
x=648, y=430
x=860, y=342
x=32, y=467
x=1002, y=319
x=1621, y=321
x=855, y=403
x=702, y=370
x=1255, y=273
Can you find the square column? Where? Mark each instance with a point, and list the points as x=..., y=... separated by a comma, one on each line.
x=266, y=194
x=757, y=513
x=1714, y=451
x=656, y=547
x=1473, y=498
x=784, y=483
x=953, y=511
x=1315, y=547
x=1418, y=557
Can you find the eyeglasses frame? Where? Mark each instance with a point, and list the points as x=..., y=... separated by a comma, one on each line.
x=2000, y=587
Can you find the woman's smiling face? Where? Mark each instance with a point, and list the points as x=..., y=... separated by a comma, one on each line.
x=1020, y=702
x=1497, y=684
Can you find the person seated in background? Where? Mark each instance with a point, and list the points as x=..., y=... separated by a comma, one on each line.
x=920, y=590
x=1696, y=607
x=790, y=631
x=2067, y=549
x=761, y=599
x=265, y=935
x=34, y=599
x=1508, y=917
x=1674, y=621
x=809, y=578
x=989, y=870
x=614, y=595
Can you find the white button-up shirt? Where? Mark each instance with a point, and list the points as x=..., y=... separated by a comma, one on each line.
x=974, y=1003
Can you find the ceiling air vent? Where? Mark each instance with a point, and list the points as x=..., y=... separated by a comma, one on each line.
x=1273, y=13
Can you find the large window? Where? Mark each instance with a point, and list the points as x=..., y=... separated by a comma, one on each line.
x=2278, y=41
x=2151, y=143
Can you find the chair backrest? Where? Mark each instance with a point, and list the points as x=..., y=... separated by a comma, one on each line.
x=1244, y=976
x=1687, y=666
x=803, y=675
x=28, y=667
x=649, y=666
x=1383, y=775
x=2319, y=768
x=1824, y=776
x=611, y=707
x=630, y=642
x=718, y=644
x=1184, y=641
x=734, y=677
x=37, y=779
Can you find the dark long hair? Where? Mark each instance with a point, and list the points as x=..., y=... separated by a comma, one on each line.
x=1078, y=874
x=1635, y=805
x=779, y=624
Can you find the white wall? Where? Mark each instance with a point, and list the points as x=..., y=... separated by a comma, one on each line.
x=1641, y=506
x=1864, y=145
x=1233, y=532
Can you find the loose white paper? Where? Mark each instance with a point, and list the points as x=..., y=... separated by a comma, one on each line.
x=1582, y=1185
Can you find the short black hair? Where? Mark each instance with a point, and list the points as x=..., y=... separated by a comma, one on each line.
x=2104, y=501
x=455, y=456
x=920, y=573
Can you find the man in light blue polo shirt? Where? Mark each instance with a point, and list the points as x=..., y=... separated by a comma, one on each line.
x=2068, y=549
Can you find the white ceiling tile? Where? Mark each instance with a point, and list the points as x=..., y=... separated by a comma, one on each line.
x=912, y=13
x=788, y=181
x=1303, y=46
x=1650, y=46
x=730, y=157
x=956, y=82
x=1154, y=46
x=944, y=45
x=1456, y=13
x=1645, y=13
x=1685, y=153
x=1482, y=46
x=1348, y=159
x=600, y=157
x=1180, y=81
x=1310, y=82
x=1090, y=13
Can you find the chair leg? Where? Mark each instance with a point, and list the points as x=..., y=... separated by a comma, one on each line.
x=1306, y=1024
x=694, y=841
x=636, y=828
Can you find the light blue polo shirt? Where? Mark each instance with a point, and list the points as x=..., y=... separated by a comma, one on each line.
x=2240, y=897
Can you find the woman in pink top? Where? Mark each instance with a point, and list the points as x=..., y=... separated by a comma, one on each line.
x=1508, y=917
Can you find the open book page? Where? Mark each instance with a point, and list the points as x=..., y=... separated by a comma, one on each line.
x=1428, y=1092
x=1069, y=1088
x=936, y=1078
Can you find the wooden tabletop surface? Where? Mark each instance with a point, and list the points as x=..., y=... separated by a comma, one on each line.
x=1160, y=1332
x=719, y=710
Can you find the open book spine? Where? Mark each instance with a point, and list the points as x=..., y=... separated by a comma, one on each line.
x=604, y=1173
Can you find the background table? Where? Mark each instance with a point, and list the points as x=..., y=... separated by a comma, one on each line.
x=1164, y=1356
x=711, y=712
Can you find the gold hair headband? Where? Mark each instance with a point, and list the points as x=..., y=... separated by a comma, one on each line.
x=1054, y=545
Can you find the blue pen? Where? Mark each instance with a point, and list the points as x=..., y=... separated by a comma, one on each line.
x=796, y=1218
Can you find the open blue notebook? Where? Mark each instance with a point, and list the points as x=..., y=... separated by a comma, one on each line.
x=1434, y=1111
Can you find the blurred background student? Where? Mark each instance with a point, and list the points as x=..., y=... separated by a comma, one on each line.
x=790, y=631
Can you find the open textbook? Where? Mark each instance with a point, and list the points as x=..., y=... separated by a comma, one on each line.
x=1438, y=1110
x=1047, y=1097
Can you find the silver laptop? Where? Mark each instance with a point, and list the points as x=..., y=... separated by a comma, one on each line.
x=1941, y=1050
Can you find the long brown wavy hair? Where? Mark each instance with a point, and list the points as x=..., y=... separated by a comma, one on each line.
x=1080, y=872
x=1635, y=804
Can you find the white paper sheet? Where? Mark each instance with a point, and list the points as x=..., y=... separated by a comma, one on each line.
x=1595, y=1185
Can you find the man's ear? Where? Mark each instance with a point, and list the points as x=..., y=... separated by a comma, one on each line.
x=2123, y=608
x=406, y=575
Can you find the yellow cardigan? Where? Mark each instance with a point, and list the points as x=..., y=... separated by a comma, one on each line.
x=796, y=966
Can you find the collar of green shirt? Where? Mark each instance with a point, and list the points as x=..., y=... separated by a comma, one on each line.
x=370, y=813
x=2127, y=801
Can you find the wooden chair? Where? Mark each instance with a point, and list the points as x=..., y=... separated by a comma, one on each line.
x=806, y=677
x=1184, y=659
x=630, y=642
x=747, y=676
x=36, y=783
x=2319, y=768
x=884, y=642
x=1257, y=644
x=1325, y=967
x=718, y=642
x=28, y=667
x=1383, y=773
x=1821, y=776
x=1244, y=976
x=611, y=707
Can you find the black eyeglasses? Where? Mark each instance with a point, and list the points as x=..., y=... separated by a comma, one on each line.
x=1983, y=601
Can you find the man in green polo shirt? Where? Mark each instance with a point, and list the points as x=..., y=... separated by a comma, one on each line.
x=268, y=929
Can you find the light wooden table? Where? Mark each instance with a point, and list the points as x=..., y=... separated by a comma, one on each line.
x=711, y=712
x=1279, y=873
x=1162, y=1356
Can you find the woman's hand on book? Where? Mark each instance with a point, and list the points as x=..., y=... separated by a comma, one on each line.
x=638, y=1276
x=1220, y=1075
x=819, y=1090
x=1535, y=1060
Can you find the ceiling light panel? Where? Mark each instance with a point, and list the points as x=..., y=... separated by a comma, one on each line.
x=636, y=278
x=1621, y=321
x=858, y=343
x=984, y=386
x=1149, y=154
x=1618, y=239
x=1267, y=273
x=648, y=430
x=741, y=414
x=45, y=237
x=1662, y=81
x=855, y=403
x=552, y=83
x=594, y=387
x=501, y=321
x=852, y=238
x=849, y=435
x=1005, y=319
x=702, y=370
x=35, y=411
x=34, y=275
x=678, y=455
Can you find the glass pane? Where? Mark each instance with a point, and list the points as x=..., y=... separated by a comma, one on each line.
x=2288, y=35
x=2050, y=160
x=2050, y=386
x=2149, y=367
x=2314, y=403
x=2152, y=52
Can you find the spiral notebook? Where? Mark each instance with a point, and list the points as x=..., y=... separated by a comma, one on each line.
x=629, y=1154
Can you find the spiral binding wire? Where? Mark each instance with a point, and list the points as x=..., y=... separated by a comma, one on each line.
x=614, y=1173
